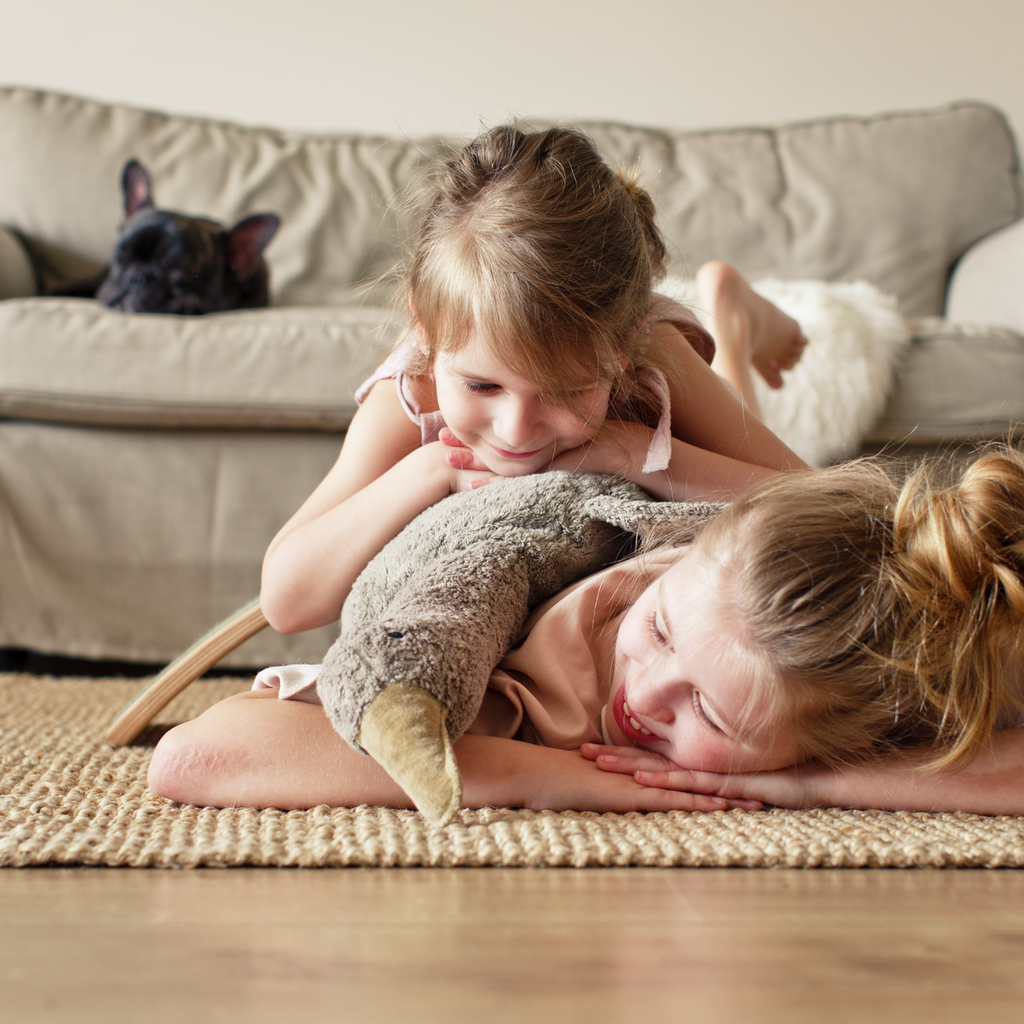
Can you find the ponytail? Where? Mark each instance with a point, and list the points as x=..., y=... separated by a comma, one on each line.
x=958, y=566
x=644, y=206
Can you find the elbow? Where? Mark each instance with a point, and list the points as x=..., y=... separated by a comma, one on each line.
x=282, y=615
x=275, y=598
x=282, y=606
x=169, y=772
x=286, y=603
x=290, y=616
x=185, y=770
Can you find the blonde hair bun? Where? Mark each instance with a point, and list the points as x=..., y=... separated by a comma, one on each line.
x=885, y=614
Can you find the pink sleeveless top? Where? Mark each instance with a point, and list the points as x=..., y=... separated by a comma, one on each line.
x=663, y=310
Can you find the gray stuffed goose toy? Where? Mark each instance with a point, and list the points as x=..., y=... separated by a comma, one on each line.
x=437, y=609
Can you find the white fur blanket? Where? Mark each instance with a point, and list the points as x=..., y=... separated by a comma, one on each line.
x=837, y=391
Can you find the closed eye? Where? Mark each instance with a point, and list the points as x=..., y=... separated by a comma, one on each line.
x=656, y=634
x=479, y=387
x=702, y=715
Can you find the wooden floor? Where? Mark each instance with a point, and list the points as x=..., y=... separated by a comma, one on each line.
x=510, y=945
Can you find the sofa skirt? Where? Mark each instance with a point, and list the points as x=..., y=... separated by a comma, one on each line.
x=129, y=545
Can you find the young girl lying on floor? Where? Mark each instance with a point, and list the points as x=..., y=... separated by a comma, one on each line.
x=537, y=343
x=830, y=639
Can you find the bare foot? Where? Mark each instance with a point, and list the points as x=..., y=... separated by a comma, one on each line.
x=749, y=331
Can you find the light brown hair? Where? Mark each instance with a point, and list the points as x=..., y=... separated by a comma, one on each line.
x=886, y=615
x=534, y=242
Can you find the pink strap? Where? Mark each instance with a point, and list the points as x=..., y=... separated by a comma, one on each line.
x=660, y=450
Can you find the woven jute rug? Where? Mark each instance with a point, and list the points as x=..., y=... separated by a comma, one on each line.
x=67, y=797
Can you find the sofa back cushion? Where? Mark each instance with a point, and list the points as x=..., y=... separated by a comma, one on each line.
x=893, y=199
x=341, y=198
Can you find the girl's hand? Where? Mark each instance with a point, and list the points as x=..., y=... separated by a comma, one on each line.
x=575, y=785
x=471, y=471
x=468, y=471
x=619, y=448
x=991, y=784
x=795, y=787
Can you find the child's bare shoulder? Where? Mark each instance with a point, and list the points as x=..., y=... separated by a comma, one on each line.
x=382, y=420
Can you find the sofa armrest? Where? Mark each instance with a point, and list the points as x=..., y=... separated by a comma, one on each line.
x=17, y=278
x=986, y=284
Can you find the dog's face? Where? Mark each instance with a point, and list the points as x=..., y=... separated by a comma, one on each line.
x=166, y=262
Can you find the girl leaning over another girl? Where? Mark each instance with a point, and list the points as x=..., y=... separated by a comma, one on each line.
x=830, y=639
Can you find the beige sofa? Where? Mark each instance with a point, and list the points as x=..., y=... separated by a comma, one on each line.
x=146, y=461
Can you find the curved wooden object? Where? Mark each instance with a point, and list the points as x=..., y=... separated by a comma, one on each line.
x=185, y=669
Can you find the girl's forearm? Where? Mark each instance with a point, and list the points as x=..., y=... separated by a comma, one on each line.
x=695, y=474
x=992, y=784
x=308, y=574
x=712, y=418
x=254, y=750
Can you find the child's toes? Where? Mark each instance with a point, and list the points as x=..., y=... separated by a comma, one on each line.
x=770, y=371
x=791, y=355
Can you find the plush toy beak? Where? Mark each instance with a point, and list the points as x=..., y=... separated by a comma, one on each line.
x=404, y=731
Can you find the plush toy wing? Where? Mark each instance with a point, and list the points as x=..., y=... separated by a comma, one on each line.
x=437, y=609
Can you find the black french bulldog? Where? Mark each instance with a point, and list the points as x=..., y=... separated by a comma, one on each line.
x=166, y=262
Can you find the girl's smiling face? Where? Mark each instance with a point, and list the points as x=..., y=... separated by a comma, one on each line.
x=509, y=425
x=685, y=676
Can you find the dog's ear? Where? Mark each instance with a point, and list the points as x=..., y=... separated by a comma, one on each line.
x=247, y=240
x=135, y=187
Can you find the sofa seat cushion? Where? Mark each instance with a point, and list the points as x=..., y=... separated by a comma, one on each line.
x=74, y=361
x=956, y=382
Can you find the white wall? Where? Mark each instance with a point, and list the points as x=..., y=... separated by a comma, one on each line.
x=410, y=66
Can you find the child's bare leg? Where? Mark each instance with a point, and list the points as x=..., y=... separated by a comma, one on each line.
x=749, y=331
